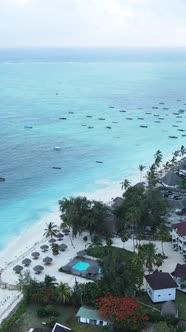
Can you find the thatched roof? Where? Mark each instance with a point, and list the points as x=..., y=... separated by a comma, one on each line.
x=26, y=261
x=47, y=260
x=171, y=179
x=169, y=308
x=178, y=203
x=62, y=247
x=17, y=268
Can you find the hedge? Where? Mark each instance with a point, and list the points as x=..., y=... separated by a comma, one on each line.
x=8, y=323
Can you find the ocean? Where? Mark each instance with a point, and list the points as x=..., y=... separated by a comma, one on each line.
x=102, y=97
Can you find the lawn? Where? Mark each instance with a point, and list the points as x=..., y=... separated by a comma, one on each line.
x=101, y=252
x=180, y=301
x=67, y=317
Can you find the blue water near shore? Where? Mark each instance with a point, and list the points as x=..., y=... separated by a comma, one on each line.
x=37, y=87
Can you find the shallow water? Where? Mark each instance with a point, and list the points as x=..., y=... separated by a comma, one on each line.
x=39, y=87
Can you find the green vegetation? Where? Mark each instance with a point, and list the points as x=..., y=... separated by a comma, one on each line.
x=81, y=214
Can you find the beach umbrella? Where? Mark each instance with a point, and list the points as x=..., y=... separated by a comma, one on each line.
x=62, y=247
x=171, y=179
x=44, y=247
x=52, y=240
x=47, y=260
x=35, y=254
x=66, y=231
x=17, y=268
x=26, y=261
x=38, y=268
x=60, y=236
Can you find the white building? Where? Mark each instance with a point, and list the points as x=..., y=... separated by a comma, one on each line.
x=160, y=287
x=92, y=316
x=57, y=328
x=179, y=276
x=179, y=237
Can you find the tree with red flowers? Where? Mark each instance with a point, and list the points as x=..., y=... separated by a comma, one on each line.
x=125, y=313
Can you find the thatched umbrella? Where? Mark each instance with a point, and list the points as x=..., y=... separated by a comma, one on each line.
x=26, y=261
x=47, y=260
x=35, y=254
x=17, y=268
x=171, y=179
x=38, y=269
x=62, y=247
x=44, y=247
x=52, y=241
x=60, y=236
x=66, y=231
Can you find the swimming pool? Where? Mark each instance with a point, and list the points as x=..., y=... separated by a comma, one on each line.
x=81, y=266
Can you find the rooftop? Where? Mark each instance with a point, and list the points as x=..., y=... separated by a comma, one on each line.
x=181, y=228
x=160, y=280
x=91, y=313
x=180, y=270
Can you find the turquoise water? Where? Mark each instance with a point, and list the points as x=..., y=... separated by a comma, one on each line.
x=81, y=266
x=39, y=87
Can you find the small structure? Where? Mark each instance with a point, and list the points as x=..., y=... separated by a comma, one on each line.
x=17, y=268
x=26, y=262
x=179, y=275
x=44, y=247
x=47, y=260
x=35, y=254
x=63, y=247
x=160, y=287
x=171, y=179
x=169, y=309
x=92, y=316
x=57, y=328
x=38, y=269
x=179, y=237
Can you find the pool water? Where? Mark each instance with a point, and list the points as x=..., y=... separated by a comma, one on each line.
x=81, y=266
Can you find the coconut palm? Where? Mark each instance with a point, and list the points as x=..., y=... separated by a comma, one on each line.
x=50, y=282
x=158, y=158
x=163, y=235
x=124, y=237
x=51, y=230
x=125, y=184
x=148, y=255
x=133, y=216
x=63, y=293
x=182, y=150
x=141, y=168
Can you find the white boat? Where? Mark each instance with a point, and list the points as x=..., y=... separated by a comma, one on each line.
x=57, y=148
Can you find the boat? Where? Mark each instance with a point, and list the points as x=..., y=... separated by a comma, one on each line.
x=122, y=111
x=90, y=127
x=161, y=103
x=148, y=113
x=99, y=162
x=62, y=118
x=101, y=118
x=2, y=179
x=175, y=126
x=71, y=112
x=183, y=135
x=140, y=118
x=157, y=121
x=129, y=118
x=111, y=107
x=181, y=129
x=89, y=116
x=56, y=167
x=83, y=125
x=161, y=118
x=28, y=126
x=114, y=122
x=173, y=137
x=108, y=127
x=144, y=126
x=57, y=148
x=156, y=115
x=154, y=107
x=165, y=108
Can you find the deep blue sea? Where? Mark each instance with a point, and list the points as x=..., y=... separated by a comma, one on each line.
x=37, y=87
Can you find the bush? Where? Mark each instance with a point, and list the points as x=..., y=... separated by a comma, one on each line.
x=51, y=322
x=41, y=312
x=51, y=311
x=8, y=323
x=154, y=316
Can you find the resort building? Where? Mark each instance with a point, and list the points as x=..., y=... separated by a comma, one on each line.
x=179, y=237
x=92, y=316
x=179, y=275
x=160, y=287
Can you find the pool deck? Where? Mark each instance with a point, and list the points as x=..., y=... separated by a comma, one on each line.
x=70, y=267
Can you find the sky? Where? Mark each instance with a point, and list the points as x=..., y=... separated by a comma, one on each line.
x=92, y=23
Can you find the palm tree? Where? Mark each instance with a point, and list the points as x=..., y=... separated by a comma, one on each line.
x=163, y=235
x=125, y=184
x=124, y=238
x=51, y=230
x=148, y=254
x=182, y=150
x=141, y=168
x=133, y=217
x=158, y=158
x=63, y=293
x=50, y=282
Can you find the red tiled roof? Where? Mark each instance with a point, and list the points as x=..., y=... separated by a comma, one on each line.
x=160, y=280
x=180, y=270
x=181, y=228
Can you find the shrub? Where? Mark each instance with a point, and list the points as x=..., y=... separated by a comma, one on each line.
x=8, y=323
x=154, y=316
x=51, y=311
x=41, y=312
x=51, y=322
